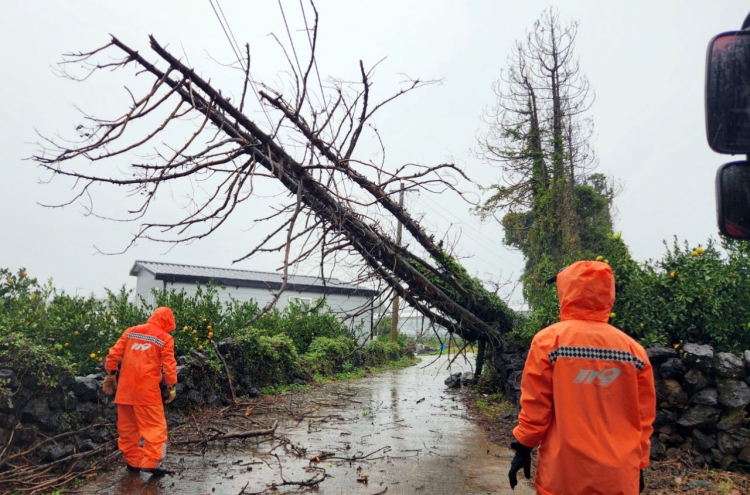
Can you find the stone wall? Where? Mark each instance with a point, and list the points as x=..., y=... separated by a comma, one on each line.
x=702, y=401
x=508, y=360
x=33, y=408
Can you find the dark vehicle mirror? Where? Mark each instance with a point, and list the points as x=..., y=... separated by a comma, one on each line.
x=733, y=200
x=728, y=93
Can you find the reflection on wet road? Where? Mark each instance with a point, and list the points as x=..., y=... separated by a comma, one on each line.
x=409, y=433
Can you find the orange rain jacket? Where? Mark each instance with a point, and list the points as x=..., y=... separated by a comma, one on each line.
x=145, y=350
x=587, y=393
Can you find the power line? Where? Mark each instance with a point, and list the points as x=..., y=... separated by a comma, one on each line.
x=459, y=219
x=315, y=64
x=237, y=45
x=289, y=34
x=233, y=43
x=229, y=39
x=480, y=239
x=487, y=262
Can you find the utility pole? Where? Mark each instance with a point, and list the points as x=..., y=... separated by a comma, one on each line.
x=394, y=313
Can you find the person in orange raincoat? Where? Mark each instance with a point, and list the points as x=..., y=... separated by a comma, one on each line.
x=587, y=395
x=146, y=351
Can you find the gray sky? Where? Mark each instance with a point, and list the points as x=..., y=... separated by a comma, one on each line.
x=644, y=59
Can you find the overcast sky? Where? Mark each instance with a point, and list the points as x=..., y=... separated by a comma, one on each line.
x=644, y=59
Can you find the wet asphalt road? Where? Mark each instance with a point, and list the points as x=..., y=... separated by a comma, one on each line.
x=414, y=436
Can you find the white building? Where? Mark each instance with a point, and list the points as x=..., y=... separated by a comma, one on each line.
x=344, y=298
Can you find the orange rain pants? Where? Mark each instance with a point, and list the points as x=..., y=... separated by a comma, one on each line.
x=146, y=352
x=147, y=422
x=587, y=393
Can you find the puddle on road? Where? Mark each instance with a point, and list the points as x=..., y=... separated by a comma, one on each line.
x=413, y=432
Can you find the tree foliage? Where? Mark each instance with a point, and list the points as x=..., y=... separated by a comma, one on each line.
x=699, y=295
x=553, y=206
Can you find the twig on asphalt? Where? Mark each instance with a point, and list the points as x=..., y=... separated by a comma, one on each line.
x=229, y=436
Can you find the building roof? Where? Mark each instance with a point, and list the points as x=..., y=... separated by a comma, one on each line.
x=232, y=277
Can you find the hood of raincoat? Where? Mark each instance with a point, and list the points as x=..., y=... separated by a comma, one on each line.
x=586, y=290
x=163, y=318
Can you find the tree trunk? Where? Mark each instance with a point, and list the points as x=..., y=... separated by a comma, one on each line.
x=480, y=358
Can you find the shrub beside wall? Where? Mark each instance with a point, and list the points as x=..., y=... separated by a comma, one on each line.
x=80, y=330
x=695, y=294
x=330, y=356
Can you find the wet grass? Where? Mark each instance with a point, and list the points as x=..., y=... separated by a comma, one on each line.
x=358, y=373
x=488, y=402
x=493, y=406
x=283, y=389
x=495, y=414
x=349, y=374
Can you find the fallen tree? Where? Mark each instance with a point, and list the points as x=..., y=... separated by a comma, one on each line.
x=308, y=148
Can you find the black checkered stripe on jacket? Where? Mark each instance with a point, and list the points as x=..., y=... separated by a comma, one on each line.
x=598, y=353
x=150, y=338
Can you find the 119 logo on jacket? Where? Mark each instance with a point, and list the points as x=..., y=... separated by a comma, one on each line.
x=604, y=377
x=141, y=347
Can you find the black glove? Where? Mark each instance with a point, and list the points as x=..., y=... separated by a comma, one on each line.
x=522, y=459
x=643, y=484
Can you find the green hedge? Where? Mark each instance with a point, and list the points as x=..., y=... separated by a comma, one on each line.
x=80, y=329
x=693, y=294
x=326, y=356
x=329, y=356
x=698, y=294
x=268, y=360
x=382, y=351
x=76, y=329
x=31, y=361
